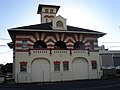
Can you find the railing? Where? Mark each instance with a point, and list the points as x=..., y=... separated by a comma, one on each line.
x=57, y=51
x=79, y=51
x=40, y=51
x=60, y=51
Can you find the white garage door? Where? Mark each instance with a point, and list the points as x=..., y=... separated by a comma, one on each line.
x=80, y=69
x=40, y=70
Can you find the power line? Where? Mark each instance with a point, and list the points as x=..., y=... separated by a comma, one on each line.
x=6, y=52
x=4, y=39
x=108, y=42
x=112, y=46
x=3, y=46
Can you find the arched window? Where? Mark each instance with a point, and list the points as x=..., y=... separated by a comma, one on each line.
x=60, y=44
x=40, y=44
x=79, y=45
x=59, y=24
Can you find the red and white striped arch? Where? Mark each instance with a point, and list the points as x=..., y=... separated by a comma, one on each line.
x=51, y=38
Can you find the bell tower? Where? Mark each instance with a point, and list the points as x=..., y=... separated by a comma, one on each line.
x=48, y=12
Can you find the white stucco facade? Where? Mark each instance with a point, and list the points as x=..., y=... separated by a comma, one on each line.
x=79, y=66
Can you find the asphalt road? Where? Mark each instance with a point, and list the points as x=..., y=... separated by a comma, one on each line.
x=111, y=84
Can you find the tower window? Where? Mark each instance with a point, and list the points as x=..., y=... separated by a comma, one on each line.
x=51, y=10
x=59, y=24
x=46, y=10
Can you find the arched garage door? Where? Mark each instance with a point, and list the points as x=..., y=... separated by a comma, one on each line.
x=80, y=69
x=40, y=70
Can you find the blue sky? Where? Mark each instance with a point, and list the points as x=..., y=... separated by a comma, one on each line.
x=98, y=15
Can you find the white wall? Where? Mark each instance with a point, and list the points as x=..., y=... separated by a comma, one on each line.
x=55, y=76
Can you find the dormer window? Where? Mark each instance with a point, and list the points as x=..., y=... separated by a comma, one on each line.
x=59, y=24
x=46, y=10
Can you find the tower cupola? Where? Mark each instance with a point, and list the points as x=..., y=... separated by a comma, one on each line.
x=48, y=12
